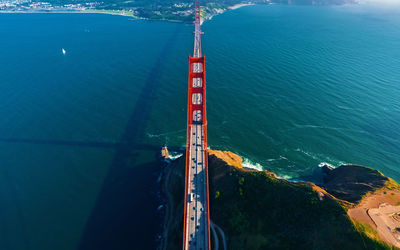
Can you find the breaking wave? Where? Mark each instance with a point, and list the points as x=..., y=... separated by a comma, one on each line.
x=174, y=155
x=249, y=164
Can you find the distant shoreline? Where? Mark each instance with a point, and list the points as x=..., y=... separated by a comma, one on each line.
x=115, y=13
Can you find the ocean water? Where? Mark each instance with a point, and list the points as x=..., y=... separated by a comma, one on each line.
x=288, y=87
x=302, y=85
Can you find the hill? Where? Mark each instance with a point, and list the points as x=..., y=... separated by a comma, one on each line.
x=257, y=210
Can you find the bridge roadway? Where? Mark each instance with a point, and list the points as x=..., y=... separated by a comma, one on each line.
x=196, y=223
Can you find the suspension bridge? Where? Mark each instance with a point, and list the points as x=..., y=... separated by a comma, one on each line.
x=196, y=225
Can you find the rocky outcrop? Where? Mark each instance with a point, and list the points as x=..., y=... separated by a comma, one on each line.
x=223, y=161
x=352, y=182
x=225, y=158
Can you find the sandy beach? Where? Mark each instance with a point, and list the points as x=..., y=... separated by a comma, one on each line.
x=237, y=6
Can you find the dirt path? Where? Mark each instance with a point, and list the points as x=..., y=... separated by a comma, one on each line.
x=381, y=211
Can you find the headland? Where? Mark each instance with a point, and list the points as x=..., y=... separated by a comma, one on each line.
x=355, y=207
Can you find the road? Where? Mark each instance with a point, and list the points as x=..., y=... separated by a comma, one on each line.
x=196, y=221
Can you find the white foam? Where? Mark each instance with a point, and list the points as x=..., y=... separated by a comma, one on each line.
x=256, y=166
x=174, y=155
x=285, y=177
x=312, y=155
x=322, y=164
x=249, y=164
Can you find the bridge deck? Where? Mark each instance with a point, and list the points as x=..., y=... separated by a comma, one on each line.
x=196, y=221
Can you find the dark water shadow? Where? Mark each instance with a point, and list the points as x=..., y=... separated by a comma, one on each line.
x=125, y=213
x=88, y=144
x=315, y=176
x=9, y=196
x=95, y=144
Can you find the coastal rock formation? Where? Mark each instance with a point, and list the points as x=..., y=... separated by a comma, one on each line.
x=223, y=158
x=352, y=182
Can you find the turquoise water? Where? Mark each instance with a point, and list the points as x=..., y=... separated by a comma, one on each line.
x=304, y=85
x=288, y=87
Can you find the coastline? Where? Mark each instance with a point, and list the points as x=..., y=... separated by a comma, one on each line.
x=127, y=14
x=115, y=13
x=118, y=13
x=234, y=7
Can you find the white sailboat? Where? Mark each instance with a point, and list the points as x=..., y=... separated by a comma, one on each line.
x=63, y=51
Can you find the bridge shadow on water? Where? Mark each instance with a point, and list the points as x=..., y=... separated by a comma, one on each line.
x=118, y=214
x=125, y=213
x=87, y=144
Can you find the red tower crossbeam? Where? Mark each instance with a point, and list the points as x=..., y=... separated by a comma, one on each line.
x=196, y=117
